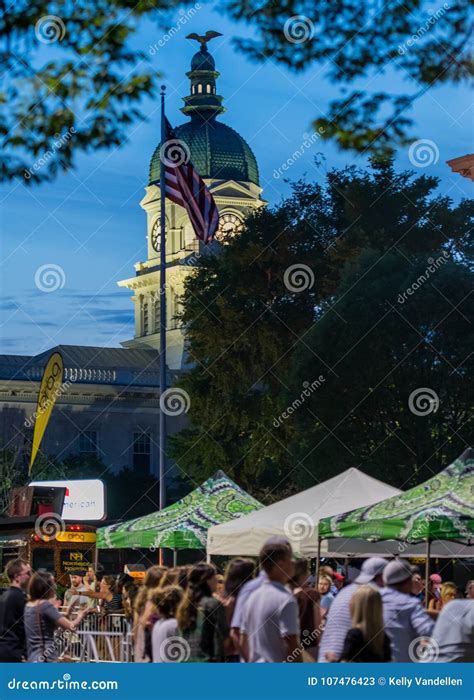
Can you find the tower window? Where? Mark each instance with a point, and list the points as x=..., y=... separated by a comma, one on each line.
x=208, y=89
x=146, y=323
x=141, y=450
x=199, y=88
x=157, y=314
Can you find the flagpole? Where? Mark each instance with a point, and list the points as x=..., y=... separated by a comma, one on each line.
x=162, y=465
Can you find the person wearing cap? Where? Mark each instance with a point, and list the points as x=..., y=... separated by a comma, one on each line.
x=270, y=630
x=338, y=621
x=338, y=581
x=404, y=617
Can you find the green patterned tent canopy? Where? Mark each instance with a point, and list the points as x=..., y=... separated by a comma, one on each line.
x=441, y=508
x=184, y=524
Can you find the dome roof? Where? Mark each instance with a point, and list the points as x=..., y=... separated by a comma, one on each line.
x=217, y=152
x=202, y=60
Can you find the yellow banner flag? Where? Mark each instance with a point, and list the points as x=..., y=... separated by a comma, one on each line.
x=50, y=389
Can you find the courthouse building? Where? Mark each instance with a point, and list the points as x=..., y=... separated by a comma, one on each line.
x=111, y=404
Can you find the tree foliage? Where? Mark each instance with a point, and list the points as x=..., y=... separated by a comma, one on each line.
x=73, y=77
x=358, y=41
x=310, y=289
x=72, y=81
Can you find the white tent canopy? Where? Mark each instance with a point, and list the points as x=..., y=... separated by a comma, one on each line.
x=297, y=517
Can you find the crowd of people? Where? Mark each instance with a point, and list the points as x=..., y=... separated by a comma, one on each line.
x=276, y=613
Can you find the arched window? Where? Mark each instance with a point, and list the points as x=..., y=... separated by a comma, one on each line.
x=199, y=88
x=208, y=89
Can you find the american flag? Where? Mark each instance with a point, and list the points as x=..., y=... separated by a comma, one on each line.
x=184, y=186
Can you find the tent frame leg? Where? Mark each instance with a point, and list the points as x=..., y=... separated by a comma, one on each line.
x=427, y=569
x=318, y=560
x=175, y=557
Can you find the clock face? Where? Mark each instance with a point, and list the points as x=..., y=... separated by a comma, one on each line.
x=229, y=224
x=155, y=236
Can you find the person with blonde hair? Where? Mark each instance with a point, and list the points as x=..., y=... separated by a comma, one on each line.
x=143, y=611
x=448, y=592
x=366, y=641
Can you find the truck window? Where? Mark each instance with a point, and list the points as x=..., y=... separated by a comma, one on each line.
x=43, y=558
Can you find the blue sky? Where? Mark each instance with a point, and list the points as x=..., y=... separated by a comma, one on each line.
x=90, y=224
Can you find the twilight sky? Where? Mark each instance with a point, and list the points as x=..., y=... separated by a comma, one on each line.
x=90, y=224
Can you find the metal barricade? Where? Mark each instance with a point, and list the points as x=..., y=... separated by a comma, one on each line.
x=98, y=638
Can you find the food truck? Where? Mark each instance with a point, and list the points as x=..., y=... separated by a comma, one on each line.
x=52, y=525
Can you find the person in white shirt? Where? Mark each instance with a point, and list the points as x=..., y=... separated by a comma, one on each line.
x=270, y=623
x=165, y=643
x=405, y=620
x=453, y=635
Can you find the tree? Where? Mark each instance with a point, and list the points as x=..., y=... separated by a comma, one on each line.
x=251, y=310
x=359, y=41
x=73, y=78
x=72, y=81
x=394, y=348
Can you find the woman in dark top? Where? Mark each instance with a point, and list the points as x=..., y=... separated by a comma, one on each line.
x=201, y=618
x=42, y=617
x=238, y=572
x=366, y=641
x=107, y=593
x=308, y=608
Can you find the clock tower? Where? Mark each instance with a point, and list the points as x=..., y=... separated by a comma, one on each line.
x=227, y=165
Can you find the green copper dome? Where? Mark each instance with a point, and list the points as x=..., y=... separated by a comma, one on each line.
x=217, y=151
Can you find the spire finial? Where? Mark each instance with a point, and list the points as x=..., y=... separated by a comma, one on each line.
x=210, y=34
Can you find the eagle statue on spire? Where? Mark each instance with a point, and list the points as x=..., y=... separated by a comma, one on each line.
x=210, y=34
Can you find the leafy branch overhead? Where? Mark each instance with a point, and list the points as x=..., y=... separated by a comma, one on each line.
x=412, y=43
x=73, y=75
x=72, y=81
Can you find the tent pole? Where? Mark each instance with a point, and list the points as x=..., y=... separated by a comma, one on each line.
x=208, y=558
x=175, y=557
x=427, y=570
x=318, y=560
